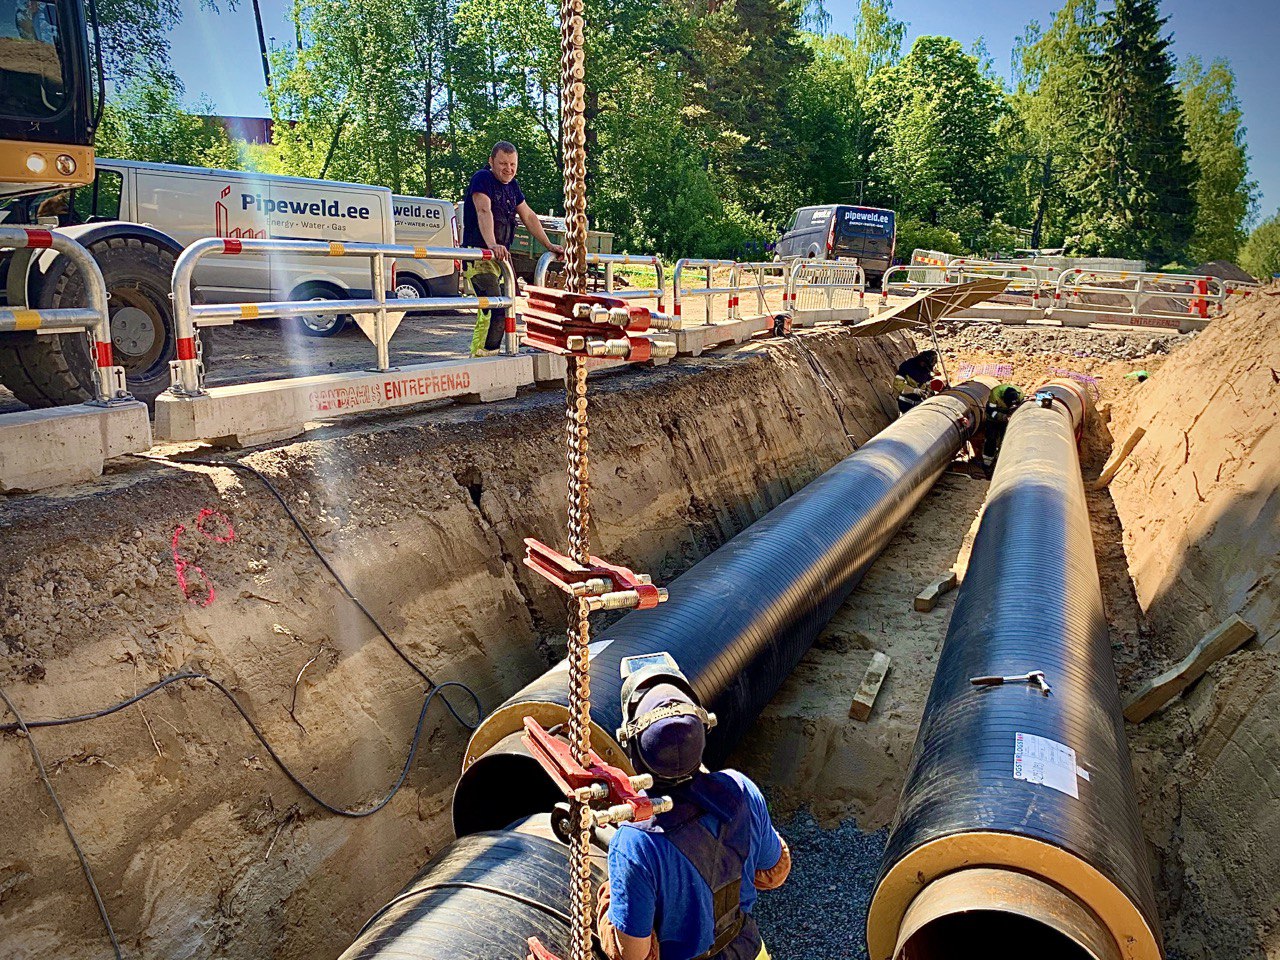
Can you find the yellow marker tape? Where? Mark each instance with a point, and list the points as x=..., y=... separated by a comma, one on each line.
x=337, y=249
x=420, y=253
x=484, y=303
x=248, y=311
x=26, y=319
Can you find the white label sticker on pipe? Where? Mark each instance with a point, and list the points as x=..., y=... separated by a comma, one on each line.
x=1046, y=762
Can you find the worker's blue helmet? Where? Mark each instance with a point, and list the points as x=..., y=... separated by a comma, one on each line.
x=664, y=728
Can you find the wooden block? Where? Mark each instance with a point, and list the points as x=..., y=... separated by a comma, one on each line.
x=928, y=597
x=1118, y=458
x=1223, y=639
x=865, y=698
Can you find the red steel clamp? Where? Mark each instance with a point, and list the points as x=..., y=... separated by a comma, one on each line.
x=592, y=325
x=595, y=782
x=605, y=586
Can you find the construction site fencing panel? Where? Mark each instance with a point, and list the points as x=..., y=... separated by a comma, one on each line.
x=763, y=278
x=94, y=320
x=1038, y=280
x=820, y=290
x=704, y=272
x=377, y=317
x=1174, y=301
x=610, y=262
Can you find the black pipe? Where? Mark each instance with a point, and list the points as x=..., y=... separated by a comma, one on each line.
x=481, y=899
x=737, y=622
x=1030, y=601
x=740, y=620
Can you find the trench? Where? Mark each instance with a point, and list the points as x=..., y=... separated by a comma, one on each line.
x=203, y=850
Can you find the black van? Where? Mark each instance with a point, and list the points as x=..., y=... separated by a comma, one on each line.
x=831, y=232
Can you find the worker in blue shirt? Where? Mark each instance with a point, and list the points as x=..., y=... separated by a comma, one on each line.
x=682, y=885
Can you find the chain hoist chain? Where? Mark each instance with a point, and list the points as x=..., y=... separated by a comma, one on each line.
x=573, y=144
x=573, y=147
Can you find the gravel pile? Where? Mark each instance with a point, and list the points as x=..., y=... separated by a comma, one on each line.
x=1100, y=344
x=820, y=913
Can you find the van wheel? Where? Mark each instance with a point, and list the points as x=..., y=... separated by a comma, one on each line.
x=409, y=287
x=320, y=324
x=49, y=371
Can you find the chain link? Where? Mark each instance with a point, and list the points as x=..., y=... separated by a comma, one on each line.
x=573, y=143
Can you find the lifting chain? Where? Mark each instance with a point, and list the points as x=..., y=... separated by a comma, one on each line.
x=574, y=149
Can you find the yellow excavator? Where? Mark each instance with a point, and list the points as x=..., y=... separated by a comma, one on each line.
x=51, y=97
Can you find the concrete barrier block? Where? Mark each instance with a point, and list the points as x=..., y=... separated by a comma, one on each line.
x=693, y=340
x=253, y=413
x=550, y=367
x=45, y=448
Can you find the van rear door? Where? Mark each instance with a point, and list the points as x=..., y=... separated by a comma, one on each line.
x=865, y=233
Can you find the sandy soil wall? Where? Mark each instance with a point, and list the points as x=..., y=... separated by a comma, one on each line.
x=200, y=845
x=1199, y=501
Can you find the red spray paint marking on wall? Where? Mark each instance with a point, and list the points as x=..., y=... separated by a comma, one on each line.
x=207, y=523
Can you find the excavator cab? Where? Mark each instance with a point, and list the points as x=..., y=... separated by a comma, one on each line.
x=49, y=96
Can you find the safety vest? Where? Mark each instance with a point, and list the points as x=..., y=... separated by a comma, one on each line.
x=718, y=857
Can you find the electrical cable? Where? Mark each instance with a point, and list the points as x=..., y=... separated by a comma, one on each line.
x=271, y=751
x=342, y=584
x=62, y=815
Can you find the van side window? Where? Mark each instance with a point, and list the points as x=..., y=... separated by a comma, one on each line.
x=101, y=199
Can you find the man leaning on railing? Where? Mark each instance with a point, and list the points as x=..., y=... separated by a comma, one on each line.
x=489, y=210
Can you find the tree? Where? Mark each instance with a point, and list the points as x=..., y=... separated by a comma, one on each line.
x=145, y=120
x=830, y=113
x=1136, y=179
x=936, y=146
x=1050, y=69
x=1225, y=195
x=1260, y=254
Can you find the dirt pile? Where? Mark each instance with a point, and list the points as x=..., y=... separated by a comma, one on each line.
x=201, y=847
x=1199, y=500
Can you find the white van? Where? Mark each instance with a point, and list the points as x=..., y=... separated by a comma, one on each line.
x=425, y=222
x=188, y=203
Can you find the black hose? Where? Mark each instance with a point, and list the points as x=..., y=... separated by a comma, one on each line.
x=261, y=737
x=1030, y=601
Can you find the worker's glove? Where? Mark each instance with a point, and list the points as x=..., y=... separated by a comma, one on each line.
x=776, y=875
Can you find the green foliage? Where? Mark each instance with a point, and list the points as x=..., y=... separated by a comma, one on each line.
x=145, y=120
x=1225, y=196
x=1135, y=181
x=708, y=124
x=936, y=116
x=915, y=235
x=1260, y=254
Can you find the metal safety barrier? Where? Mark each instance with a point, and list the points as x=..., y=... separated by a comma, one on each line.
x=769, y=276
x=1036, y=279
x=243, y=414
x=48, y=447
x=916, y=277
x=1084, y=296
x=188, y=370
x=94, y=319
x=610, y=261
x=703, y=269
x=826, y=281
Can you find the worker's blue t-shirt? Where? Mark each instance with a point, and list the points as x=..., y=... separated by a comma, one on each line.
x=503, y=199
x=653, y=886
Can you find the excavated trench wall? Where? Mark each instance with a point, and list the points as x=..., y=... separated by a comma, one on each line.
x=1199, y=500
x=199, y=844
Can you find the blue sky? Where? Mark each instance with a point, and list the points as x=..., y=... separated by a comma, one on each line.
x=217, y=54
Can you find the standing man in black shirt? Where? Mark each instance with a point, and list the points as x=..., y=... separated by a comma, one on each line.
x=489, y=210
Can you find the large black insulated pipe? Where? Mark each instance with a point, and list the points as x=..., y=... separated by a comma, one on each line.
x=1017, y=832
x=482, y=898
x=740, y=620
